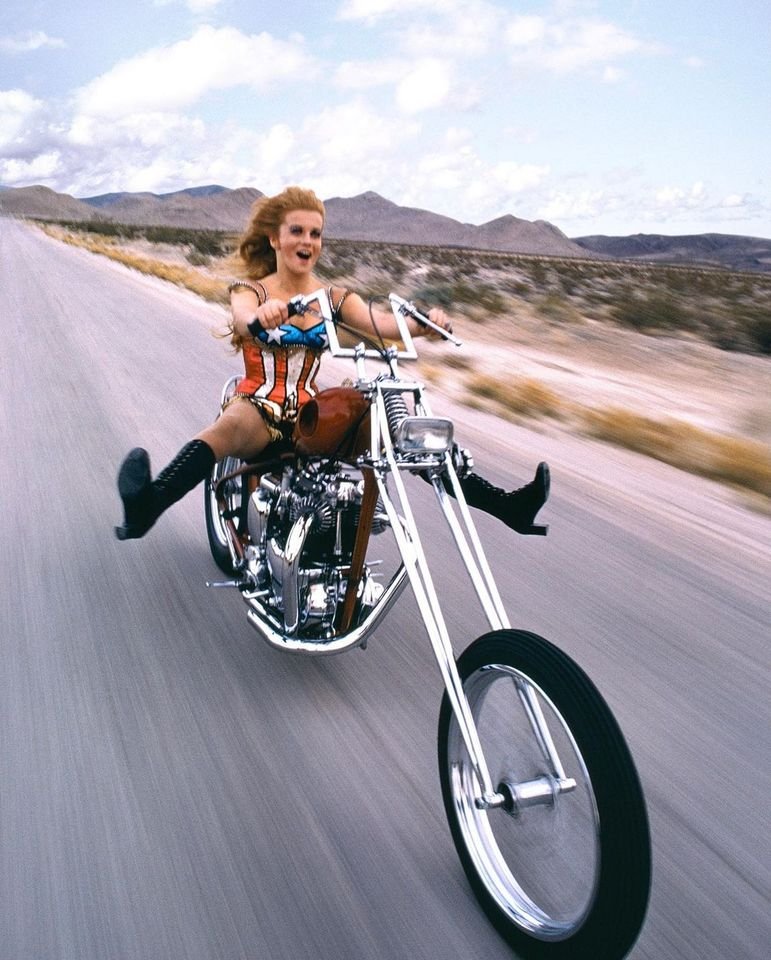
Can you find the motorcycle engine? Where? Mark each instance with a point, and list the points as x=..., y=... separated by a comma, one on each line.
x=303, y=526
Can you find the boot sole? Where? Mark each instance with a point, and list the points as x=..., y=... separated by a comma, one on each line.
x=134, y=476
x=543, y=478
x=134, y=484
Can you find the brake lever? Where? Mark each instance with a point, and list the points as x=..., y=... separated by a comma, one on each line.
x=296, y=306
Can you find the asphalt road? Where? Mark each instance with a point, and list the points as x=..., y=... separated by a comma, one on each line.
x=171, y=787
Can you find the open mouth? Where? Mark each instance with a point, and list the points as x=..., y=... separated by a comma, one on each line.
x=303, y=254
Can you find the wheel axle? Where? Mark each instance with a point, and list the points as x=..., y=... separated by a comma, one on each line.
x=531, y=793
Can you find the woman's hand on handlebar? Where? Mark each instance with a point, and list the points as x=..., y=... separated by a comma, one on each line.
x=272, y=314
x=250, y=316
x=440, y=318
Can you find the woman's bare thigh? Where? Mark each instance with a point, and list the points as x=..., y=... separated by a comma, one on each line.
x=239, y=431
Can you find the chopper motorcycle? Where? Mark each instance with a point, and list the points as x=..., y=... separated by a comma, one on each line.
x=541, y=794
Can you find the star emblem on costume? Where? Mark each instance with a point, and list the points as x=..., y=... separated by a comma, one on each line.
x=275, y=335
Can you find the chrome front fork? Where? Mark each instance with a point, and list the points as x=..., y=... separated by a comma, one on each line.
x=408, y=541
x=510, y=796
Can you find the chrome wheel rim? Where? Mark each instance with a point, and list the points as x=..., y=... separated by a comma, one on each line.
x=541, y=868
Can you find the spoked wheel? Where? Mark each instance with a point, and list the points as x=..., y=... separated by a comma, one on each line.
x=236, y=501
x=562, y=866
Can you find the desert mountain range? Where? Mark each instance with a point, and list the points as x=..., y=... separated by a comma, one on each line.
x=369, y=216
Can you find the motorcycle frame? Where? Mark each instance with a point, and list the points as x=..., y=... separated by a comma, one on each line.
x=385, y=461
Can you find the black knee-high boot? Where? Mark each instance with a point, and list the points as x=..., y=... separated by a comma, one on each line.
x=517, y=508
x=145, y=499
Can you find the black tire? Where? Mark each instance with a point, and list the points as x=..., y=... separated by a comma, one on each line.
x=562, y=879
x=236, y=504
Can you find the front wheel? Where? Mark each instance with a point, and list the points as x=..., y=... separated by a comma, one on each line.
x=562, y=867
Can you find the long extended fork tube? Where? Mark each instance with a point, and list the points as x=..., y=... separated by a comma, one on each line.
x=476, y=561
x=408, y=541
x=490, y=598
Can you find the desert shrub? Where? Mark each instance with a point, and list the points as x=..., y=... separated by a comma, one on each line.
x=538, y=274
x=437, y=295
x=212, y=243
x=196, y=259
x=461, y=293
x=527, y=397
x=656, y=310
x=745, y=463
x=759, y=332
x=457, y=361
x=517, y=287
x=556, y=307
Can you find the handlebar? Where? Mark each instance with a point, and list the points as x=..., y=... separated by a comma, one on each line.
x=297, y=305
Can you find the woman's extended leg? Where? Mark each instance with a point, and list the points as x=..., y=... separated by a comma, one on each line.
x=239, y=431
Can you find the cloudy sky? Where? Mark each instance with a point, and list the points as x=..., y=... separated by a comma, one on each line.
x=601, y=116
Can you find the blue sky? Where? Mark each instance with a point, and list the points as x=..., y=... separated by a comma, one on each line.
x=613, y=116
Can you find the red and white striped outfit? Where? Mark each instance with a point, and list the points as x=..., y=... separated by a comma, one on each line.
x=279, y=379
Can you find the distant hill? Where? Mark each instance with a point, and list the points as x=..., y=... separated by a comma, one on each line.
x=199, y=208
x=365, y=217
x=710, y=249
x=369, y=216
x=44, y=203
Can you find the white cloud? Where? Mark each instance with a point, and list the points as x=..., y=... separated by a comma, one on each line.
x=28, y=42
x=363, y=153
x=175, y=76
x=424, y=86
x=565, y=206
x=371, y=11
x=525, y=31
x=456, y=28
x=194, y=6
x=275, y=147
x=39, y=169
x=564, y=46
x=359, y=134
x=454, y=179
x=513, y=177
x=662, y=208
x=612, y=75
x=360, y=74
x=419, y=85
x=678, y=198
x=201, y=6
x=17, y=110
x=465, y=30
x=155, y=130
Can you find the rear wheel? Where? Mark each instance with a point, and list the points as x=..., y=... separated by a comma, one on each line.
x=235, y=497
x=561, y=873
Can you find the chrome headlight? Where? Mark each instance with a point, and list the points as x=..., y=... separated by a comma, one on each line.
x=423, y=435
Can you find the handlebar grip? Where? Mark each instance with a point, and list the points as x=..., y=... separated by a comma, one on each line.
x=255, y=328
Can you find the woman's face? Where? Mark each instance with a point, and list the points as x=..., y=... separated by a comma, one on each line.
x=298, y=244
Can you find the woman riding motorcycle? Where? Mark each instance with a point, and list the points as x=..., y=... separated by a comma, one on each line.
x=279, y=251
